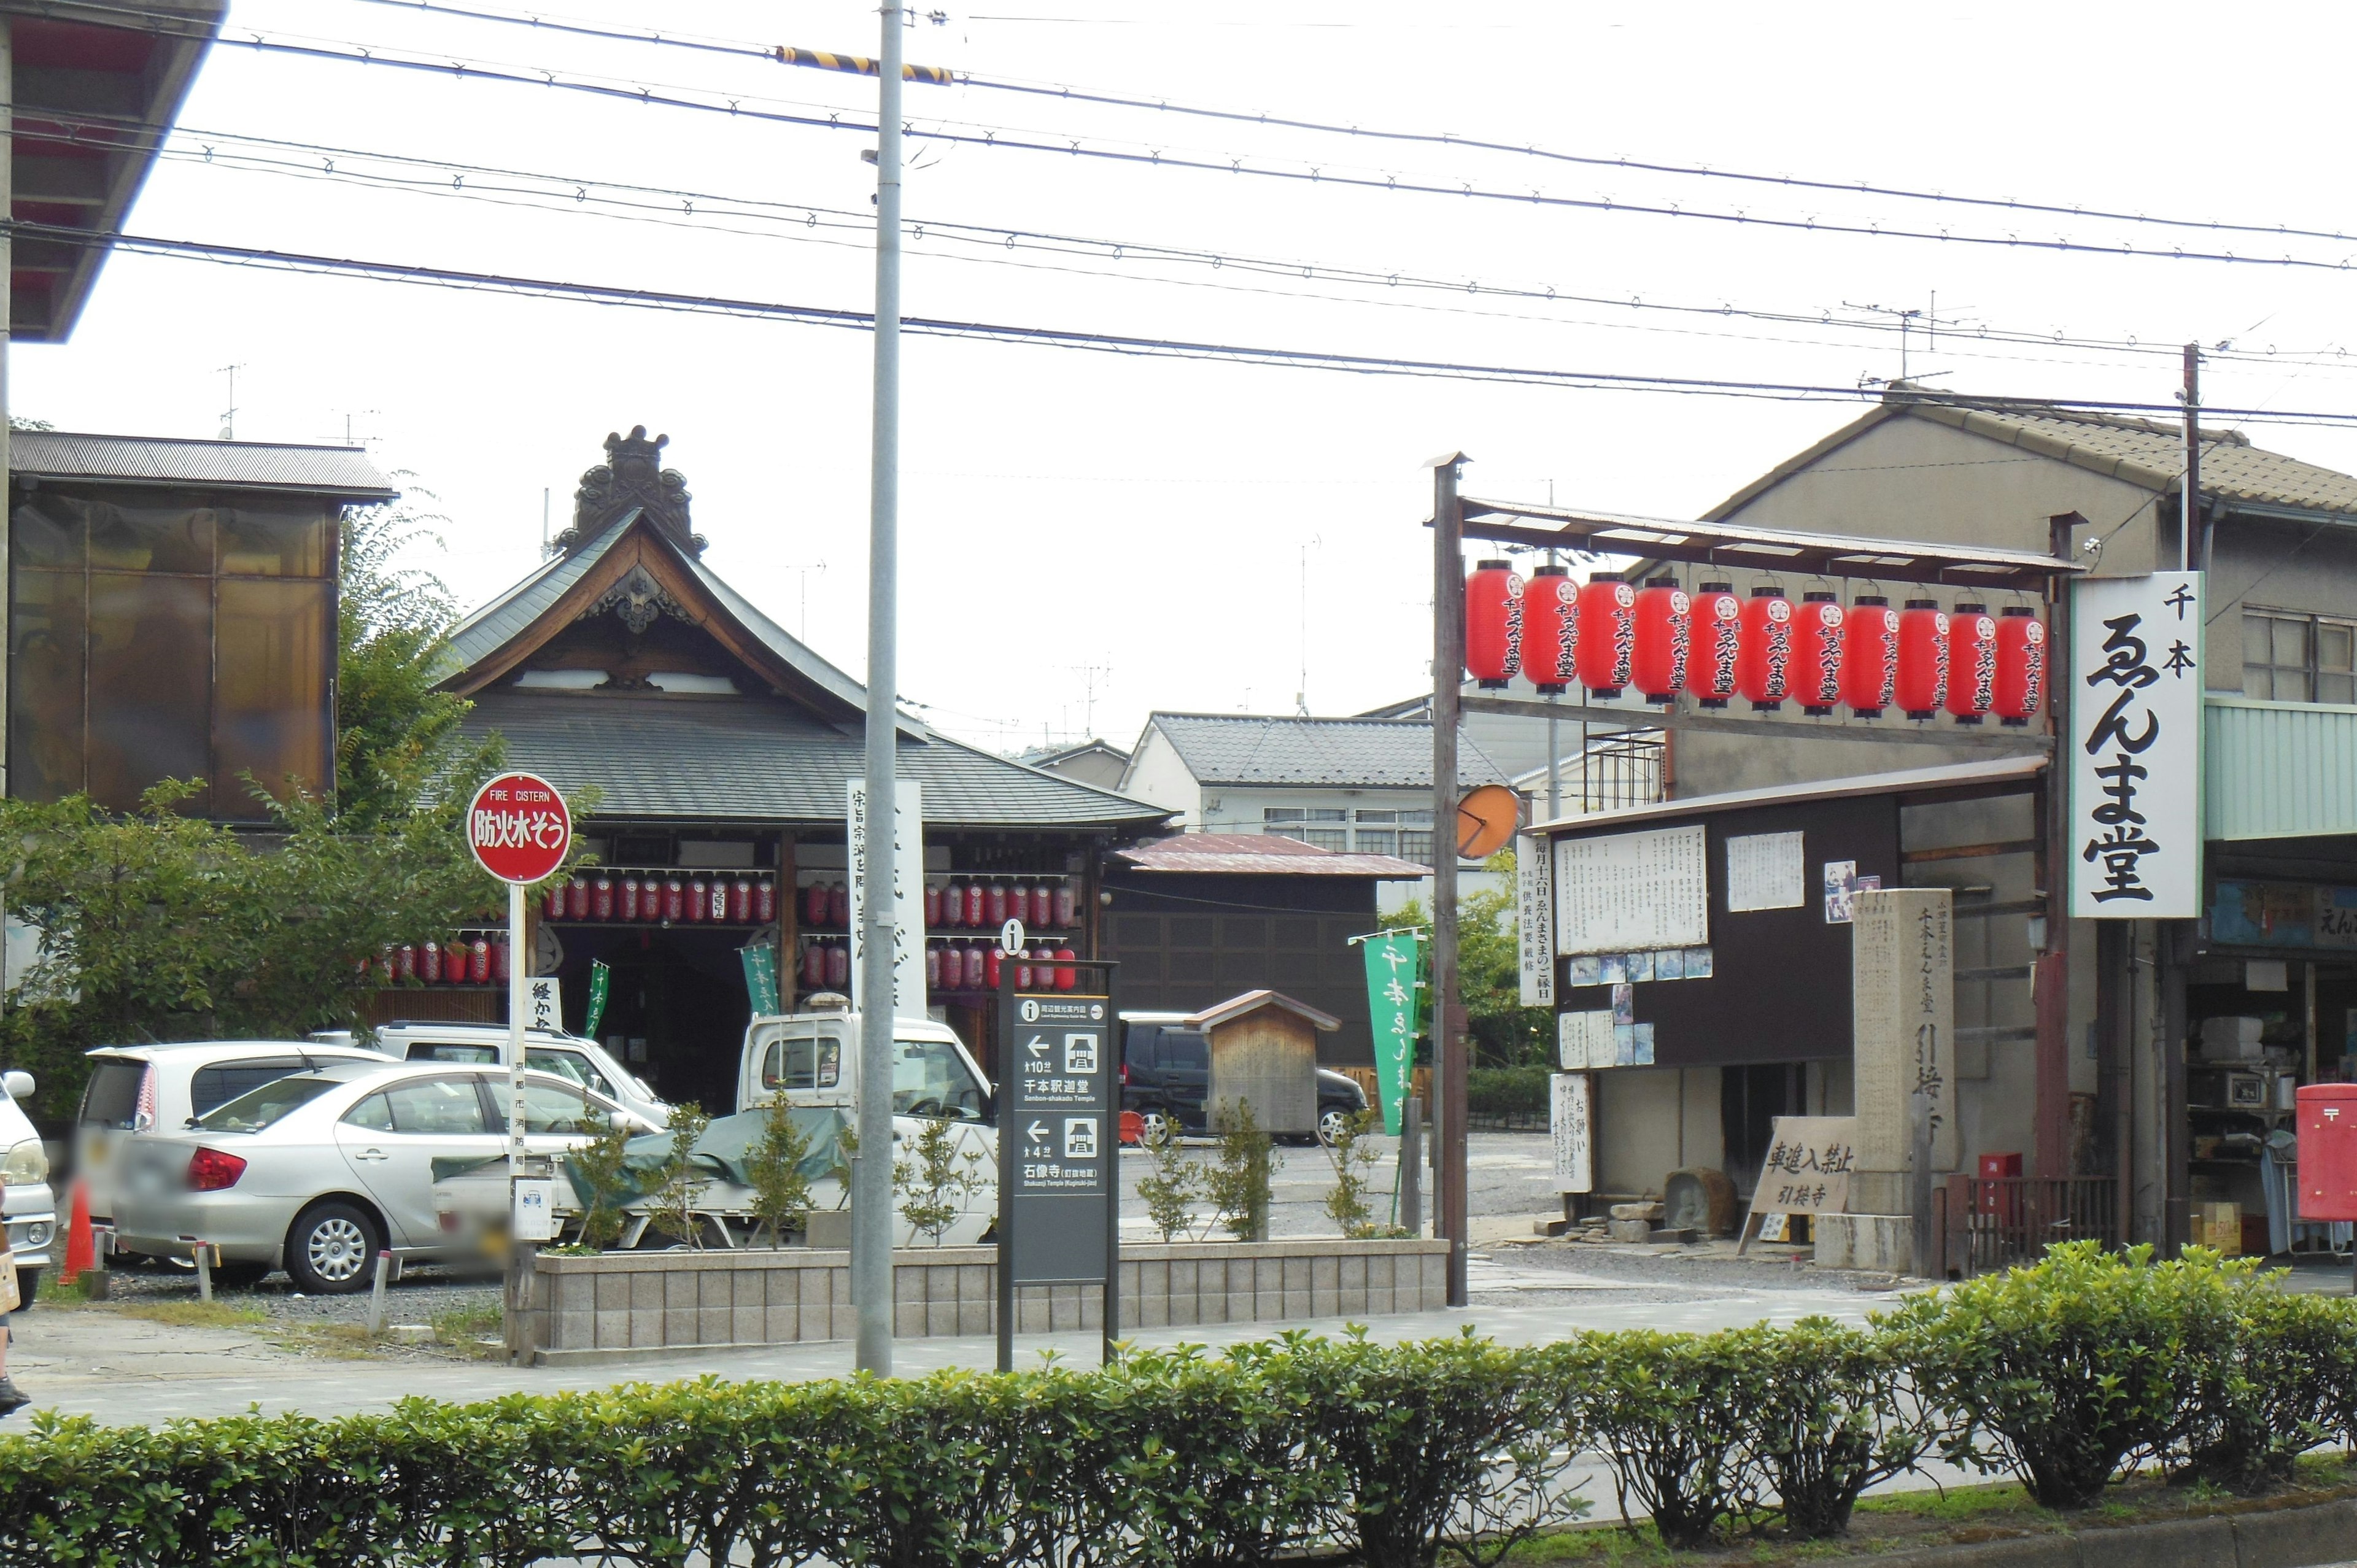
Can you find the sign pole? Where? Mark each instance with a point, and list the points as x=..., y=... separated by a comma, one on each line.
x=519, y=987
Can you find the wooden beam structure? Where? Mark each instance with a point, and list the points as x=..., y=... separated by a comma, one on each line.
x=2017, y=742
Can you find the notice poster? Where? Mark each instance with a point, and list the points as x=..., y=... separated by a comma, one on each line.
x=1571, y=1111
x=1627, y=892
x=1535, y=921
x=1765, y=870
x=1583, y=1040
x=2135, y=681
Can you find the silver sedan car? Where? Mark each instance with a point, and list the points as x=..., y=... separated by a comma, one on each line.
x=316, y=1171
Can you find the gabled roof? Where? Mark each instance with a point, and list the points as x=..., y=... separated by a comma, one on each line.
x=660, y=758
x=2136, y=451
x=1049, y=755
x=1238, y=748
x=1262, y=855
x=1235, y=1007
x=344, y=473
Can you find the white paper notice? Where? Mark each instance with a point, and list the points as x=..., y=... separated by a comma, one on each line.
x=1632, y=891
x=1571, y=1111
x=1766, y=871
x=1534, y=921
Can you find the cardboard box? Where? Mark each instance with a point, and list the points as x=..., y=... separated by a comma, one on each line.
x=2218, y=1226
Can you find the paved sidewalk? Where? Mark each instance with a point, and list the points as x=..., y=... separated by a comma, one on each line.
x=126, y=1370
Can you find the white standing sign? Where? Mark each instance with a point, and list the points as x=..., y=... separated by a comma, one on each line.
x=1571, y=1116
x=545, y=1008
x=2135, y=684
x=907, y=897
x=1535, y=921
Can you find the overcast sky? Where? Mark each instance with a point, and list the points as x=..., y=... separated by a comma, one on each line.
x=1086, y=536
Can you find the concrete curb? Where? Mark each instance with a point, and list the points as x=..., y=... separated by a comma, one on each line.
x=2307, y=1536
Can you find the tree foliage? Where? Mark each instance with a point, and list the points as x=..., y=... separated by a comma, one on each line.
x=1488, y=974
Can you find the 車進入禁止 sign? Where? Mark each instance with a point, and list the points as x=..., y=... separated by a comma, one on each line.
x=1808, y=1165
x=519, y=828
x=1057, y=1138
x=1395, y=970
x=2135, y=748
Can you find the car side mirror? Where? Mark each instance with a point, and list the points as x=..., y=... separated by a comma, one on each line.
x=18, y=1084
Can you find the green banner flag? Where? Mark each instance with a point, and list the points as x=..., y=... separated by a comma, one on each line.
x=762, y=977
x=600, y=977
x=1394, y=966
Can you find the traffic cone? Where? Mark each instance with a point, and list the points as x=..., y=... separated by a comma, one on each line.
x=82, y=1247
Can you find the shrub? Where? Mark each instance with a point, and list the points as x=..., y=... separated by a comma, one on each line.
x=1670, y=1412
x=1506, y=1092
x=676, y=1185
x=2263, y=1372
x=1833, y=1415
x=781, y=1190
x=1170, y=1190
x=2059, y=1372
x=1239, y=1183
x=1354, y=1159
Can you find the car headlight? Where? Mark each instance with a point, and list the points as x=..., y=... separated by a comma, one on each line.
x=24, y=1165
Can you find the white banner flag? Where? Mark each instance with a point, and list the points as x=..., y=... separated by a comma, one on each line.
x=2135, y=748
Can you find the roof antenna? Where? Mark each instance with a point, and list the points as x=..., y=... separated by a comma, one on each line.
x=544, y=519
x=228, y=415
x=1301, y=687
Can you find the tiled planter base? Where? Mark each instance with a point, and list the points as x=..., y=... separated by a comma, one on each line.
x=634, y=1302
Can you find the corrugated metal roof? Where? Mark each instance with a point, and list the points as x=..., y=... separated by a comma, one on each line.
x=2278, y=769
x=1906, y=781
x=1238, y=748
x=342, y=471
x=689, y=758
x=1256, y=855
x=2137, y=451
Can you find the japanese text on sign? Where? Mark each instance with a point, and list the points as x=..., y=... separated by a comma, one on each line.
x=1808, y=1165
x=1631, y=890
x=2136, y=721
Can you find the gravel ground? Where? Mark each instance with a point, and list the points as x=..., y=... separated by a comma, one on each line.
x=1709, y=1268
x=426, y=1292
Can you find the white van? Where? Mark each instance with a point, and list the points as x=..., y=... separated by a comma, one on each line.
x=585, y=1062
x=28, y=1206
x=813, y=1059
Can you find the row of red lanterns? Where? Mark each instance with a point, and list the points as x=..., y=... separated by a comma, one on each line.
x=1049, y=906
x=462, y=960
x=952, y=966
x=1610, y=636
x=655, y=896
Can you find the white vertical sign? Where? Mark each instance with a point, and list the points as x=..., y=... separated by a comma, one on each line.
x=545, y=1006
x=1534, y=920
x=908, y=906
x=2135, y=684
x=1571, y=1116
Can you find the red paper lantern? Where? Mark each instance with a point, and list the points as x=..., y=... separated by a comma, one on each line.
x=1923, y=686
x=814, y=904
x=765, y=900
x=1665, y=633
x=626, y=903
x=601, y=898
x=813, y=964
x=1019, y=902
x=674, y=900
x=953, y=905
x=1713, y=640
x=720, y=911
x=501, y=959
x=933, y=966
x=404, y=962
x=1869, y=669
x=429, y=963
x=1551, y=630
x=576, y=898
x=973, y=964
x=479, y=960
x=1608, y=634
x=1067, y=911
x=1972, y=663
x=699, y=897
x=741, y=901
x=1763, y=663
x=1493, y=623
x=552, y=903
x=1816, y=654
x=2019, y=686
x=994, y=965
x=838, y=964
x=838, y=906
x=993, y=904
x=973, y=903
x=1067, y=977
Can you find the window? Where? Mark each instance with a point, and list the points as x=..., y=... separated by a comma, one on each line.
x=928, y=1079
x=800, y=1062
x=1298, y=823
x=1379, y=817
x=443, y=1107
x=569, y=1064
x=1379, y=841
x=219, y=1084
x=1416, y=847
x=253, y=1112
x=373, y=1114
x=2290, y=658
x=1184, y=1052
x=557, y=1110
x=111, y=1099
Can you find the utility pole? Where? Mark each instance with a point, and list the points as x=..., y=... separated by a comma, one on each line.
x=2193, y=546
x=871, y=1175
x=8, y=260
x=1448, y=1012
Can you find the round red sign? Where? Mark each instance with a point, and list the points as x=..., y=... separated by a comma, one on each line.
x=519, y=828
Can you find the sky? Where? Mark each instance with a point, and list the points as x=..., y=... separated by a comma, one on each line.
x=1087, y=536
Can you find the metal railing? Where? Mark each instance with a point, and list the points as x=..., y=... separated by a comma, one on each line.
x=1986, y=1223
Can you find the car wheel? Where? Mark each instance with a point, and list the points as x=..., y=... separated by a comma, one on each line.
x=29, y=1284
x=240, y=1276
x=1332, y=1121
x=330, y=1249
x=1154, y=1125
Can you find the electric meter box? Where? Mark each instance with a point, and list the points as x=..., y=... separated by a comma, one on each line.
x=2328, y=1151
x=535, y=1209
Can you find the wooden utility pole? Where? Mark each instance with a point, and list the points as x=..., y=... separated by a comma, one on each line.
x=1449, y=1205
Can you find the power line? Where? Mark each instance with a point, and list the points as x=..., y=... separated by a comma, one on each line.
x=737, y=108
x=1105, y=342
x=781, y=53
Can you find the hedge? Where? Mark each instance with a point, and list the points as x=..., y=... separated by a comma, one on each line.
x=1507, y=1093
x=2064, y=1374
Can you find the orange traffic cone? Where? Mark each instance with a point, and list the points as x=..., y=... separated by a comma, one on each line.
x=82, y=1247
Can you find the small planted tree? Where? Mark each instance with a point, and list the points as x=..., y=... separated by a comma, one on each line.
x=1171, y=1188
x=782, y=1192
x=598, y=1165
x=1354, y=1160
x=935, y=1184
x=1238, y=1182
x=679, y=1181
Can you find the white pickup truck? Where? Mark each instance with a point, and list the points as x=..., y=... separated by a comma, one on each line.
x=812, y=1059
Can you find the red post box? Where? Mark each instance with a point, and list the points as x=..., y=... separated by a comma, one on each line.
x=1994, y=1198
x=2328, y=1151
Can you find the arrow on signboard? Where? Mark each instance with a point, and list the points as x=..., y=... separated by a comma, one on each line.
x=1037, y=1131
x=1035, y=1045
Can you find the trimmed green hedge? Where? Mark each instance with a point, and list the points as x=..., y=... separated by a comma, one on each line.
x=1390, y=1457
x=1507, y=1091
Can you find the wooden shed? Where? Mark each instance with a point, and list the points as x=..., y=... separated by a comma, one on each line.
x=1264, y=1051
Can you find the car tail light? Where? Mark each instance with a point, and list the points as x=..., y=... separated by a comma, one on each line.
x=1124, y=1075
x=209, y=1170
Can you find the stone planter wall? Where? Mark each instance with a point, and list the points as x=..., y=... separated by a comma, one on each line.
x=623, y=1302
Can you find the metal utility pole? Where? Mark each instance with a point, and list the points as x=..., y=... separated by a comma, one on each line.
x=871, y=1175
x=1448, y=1012
x=2194, y=546
x=8, y=260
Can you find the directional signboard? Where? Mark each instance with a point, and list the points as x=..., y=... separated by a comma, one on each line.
x=1057, y=1147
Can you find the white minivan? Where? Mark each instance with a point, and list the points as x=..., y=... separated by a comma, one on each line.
x=26, y=1204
